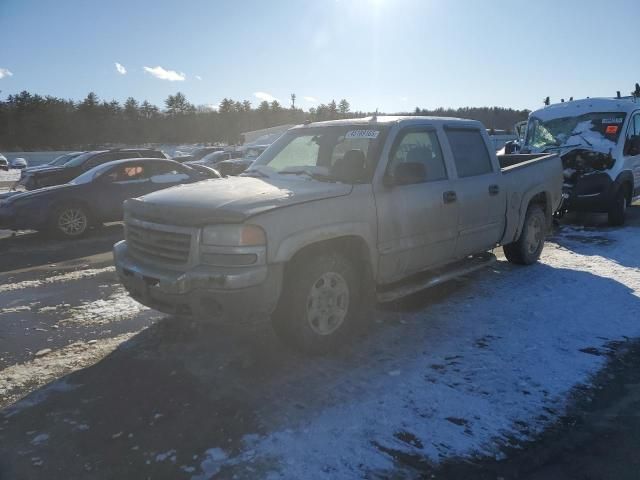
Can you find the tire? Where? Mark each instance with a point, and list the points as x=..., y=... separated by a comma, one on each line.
x=528, y=247
x=617, y=211
x=320, y=304
x=70, y=221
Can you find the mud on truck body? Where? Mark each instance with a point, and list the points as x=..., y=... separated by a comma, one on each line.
x=598, y=140
x=333, y=216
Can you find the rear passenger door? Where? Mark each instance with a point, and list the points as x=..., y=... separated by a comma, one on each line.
x=479, y=192
x=417, y=225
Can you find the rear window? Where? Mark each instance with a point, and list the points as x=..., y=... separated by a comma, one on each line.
x=152, y=154
x=470, y=152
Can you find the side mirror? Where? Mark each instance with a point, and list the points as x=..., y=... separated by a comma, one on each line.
x=632, y=146
x=407, y=173
x=350, y=168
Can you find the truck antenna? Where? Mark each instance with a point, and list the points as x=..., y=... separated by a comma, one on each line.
x=547, y=101
x=618, y=94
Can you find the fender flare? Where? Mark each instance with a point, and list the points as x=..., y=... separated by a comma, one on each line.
x=524, y=205
x=292, y=244
x=626, y=176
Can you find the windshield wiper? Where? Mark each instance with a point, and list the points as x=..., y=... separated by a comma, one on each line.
x=314, y=175
x=559, y=147
x=583, y=138
x=254, y=173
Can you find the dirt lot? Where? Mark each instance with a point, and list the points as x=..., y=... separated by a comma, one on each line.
x=511, y=372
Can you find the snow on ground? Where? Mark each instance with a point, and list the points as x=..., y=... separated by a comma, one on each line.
x=492, y=366
x=11, y=175
x=63, y=277
x=52, y=365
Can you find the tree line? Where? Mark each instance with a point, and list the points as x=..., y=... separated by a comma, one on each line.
x=34, y=122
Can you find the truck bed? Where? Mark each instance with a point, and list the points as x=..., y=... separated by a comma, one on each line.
x=520, y=159
x=526, y=175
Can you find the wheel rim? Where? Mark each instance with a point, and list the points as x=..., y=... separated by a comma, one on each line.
x=327, y=303
x=72, y=221
x=534, y=233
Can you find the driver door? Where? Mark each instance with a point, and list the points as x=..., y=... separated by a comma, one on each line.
x=417, y=220
x=121, y=182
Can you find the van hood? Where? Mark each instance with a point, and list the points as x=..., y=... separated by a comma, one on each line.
x=229, y=200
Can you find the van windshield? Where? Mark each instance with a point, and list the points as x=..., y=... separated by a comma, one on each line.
x=317, y=149
x=595, y=129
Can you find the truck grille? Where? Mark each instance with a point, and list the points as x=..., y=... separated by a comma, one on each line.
x=157, y=244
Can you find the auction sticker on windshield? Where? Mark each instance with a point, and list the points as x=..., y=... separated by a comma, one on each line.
x=362, y=134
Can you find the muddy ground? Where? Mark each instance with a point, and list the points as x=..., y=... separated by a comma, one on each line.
x=93, y=385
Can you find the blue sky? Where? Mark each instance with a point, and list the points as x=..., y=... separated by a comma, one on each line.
x=386, y=54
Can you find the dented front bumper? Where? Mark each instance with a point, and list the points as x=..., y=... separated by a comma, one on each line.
x=203, y=291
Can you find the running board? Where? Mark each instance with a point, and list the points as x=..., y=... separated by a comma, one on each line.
x=435, y=277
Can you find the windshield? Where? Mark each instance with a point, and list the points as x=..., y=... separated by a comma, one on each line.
x=316, y=150
x=91, y=174
x=79, y=160
x=600, y=128
x=62, y=159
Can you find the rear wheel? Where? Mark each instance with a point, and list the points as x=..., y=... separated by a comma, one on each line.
x=528, y=247
x=70, y=221
x=617, y=211
x=320, y=303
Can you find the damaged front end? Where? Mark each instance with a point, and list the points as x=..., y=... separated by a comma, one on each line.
x=586, y=181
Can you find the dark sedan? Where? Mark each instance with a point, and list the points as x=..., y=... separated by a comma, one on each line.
x=57, y=175
x=95, y=197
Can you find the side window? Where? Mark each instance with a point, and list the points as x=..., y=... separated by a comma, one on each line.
x=469, y=152
x=128, y=173
x=167, y=173
x=420, y=146
x=633, y=131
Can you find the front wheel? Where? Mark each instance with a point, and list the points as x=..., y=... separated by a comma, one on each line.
x=320, y=303
x=527, y=249
x=70, y=221
x=617, y=211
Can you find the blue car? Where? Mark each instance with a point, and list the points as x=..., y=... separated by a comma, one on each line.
x=95, y=197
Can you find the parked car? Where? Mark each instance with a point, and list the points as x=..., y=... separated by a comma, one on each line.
x=198, y=154
x=56, y=162
x=59, y=174
x=19, y=163
x=4, y=163
x=234, y=166
x=599, y=142
x=94, y=197
x=332, y=215
x=213, y=158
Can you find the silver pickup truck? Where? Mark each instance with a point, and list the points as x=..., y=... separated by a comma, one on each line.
x=332, y=215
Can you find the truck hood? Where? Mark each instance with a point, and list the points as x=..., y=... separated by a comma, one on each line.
x=229, y=200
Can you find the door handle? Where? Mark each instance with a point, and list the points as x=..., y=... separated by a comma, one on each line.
x=494, y=189
x=449, y=196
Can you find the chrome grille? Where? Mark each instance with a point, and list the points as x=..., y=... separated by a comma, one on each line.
x=157, y=243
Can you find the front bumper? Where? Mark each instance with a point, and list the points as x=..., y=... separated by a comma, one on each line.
x=238, y=292
x=589, y=193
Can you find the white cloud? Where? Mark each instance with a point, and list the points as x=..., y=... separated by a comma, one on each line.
x=264, y=96
x=120, y=68
x=163, y=74
x=198, y=77
x=311, y=99
x=4, y=72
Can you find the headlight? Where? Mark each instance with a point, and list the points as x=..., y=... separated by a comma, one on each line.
x=234, y=236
